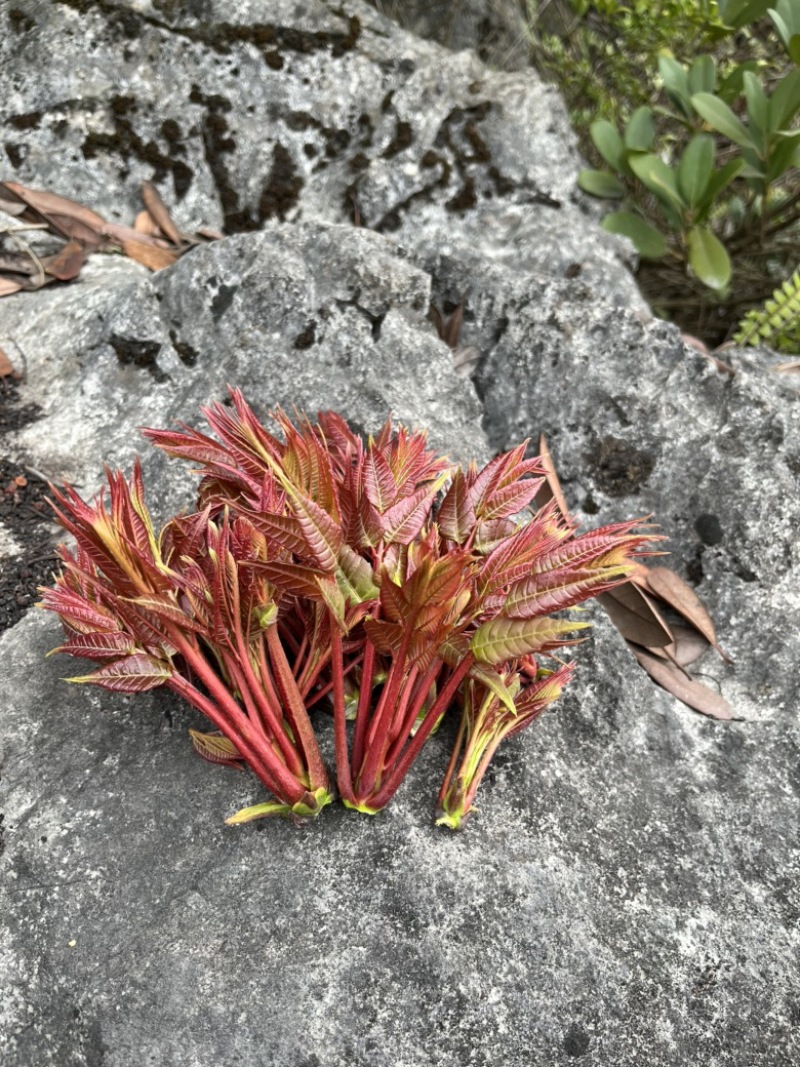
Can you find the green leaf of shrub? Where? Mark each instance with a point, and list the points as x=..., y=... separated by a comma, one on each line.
x=658, y=178
x=640, y=131
x=782, y=156
x=601, y=183
x=608, y=143
x=695, y=168
x=787, y=23
x=703, y=75
x=738, y=13
x=720, y=180
x=785, y=101
x=649, y=243
x=720, y=117
x=708, y=258
x=676, y=83
x=757, y=109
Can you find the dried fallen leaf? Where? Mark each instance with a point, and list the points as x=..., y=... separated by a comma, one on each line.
x=67, y=264
x=17, y=263
x=6, y=366
x=65, y=217
x=150, y=256
x=465, y=360
x=636, y=617
x=159, y=213
x=7, y=287
x=210, y=234
x=690, y=645
x=448, y=328
x=691, y=692
x=673, y=590
x=144, y=223
x=687, y=646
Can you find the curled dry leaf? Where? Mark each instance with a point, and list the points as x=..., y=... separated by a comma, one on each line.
x=687, y=646
x=636, y=617
x=663, y=650
x=448, y=327
x=673, y=590
x=159, y=213
x=144, y=223
x=691, y=692
x=150, y=256
x=64, y=217
x=67, y=264
x=6, y=366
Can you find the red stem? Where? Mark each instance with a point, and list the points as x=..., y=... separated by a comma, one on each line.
x=323, y=692
x=469, y=795
x=364, y=701
x=272, y=730
x=417, y=702
x=295, y=710
x=235, y=725
x=440, y=705
x=382, y=718
x=343, y=777
x=266, y=711
x=451, y=766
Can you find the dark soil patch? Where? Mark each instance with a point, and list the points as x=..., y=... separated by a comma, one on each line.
x=25, y=515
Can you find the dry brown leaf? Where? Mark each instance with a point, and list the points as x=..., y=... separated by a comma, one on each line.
x=691, y=692
x=673, y=590
x=453, y=330
x=67, y=264
x=159, y=213
x=17, y=263
x=151, y=256
x=7, y=287
x=65, y=217
x=689, y=645
x=119, y=232
x=6, y=366
x=209, y=234
x=635, y=616
x=143, y=223
x=551, y=489
x=9, y=203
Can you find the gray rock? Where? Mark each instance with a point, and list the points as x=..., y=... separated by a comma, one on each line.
x=627, y=893
x=496, y=29
x=287, y=112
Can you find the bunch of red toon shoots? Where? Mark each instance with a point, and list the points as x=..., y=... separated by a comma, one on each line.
x=374, y=578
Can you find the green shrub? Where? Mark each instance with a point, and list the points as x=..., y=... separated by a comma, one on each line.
x=702, y=154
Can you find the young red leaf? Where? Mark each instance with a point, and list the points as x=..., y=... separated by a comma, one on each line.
x=216, y=748
x=99, y=645
x=456, y=516
x=500, y=639
x=133, y=674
